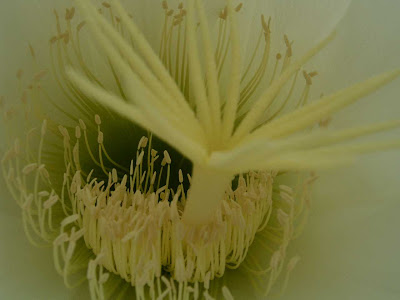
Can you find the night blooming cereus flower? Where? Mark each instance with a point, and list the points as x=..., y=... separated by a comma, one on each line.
x=176, y=169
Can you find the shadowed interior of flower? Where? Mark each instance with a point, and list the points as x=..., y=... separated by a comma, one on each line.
x=199, y=95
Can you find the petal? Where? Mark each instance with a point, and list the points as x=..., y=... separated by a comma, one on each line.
x=350, y=247
x=304, y=22
x=26, y=272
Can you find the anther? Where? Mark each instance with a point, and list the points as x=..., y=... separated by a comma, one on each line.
x=69, y=13
x=24, y=97
x=17, y=146
x=292, y=263
x=276, y=257
x=143, y=142
x=106, y=5
x=29, y=168
x=43, y=171
x=114, y=175
x=32, y=51
x=53, y=40
x=289, y=50
x=66, y=37
x=224, y=13
x=44, y=127
x=43, y=194
x=8, y=155
x=180, y=176
x=286, y=189
x=325, y=122
x=265, y=25
x=131, y=168
x=167, y=157
x=278, y=56
x=77, y=132
x=80, y=26
x=61, y=239
x=50, y=202
x=100, y=137
x=20, y=73
x=282, y=217
x=307, y=77
x=64, y=132
x=39, y=75
x=82, y=124
x=97, y=119
x=140, y=158
x=238, y=7
x=164, y=5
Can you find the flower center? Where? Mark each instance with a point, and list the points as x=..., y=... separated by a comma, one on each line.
x=134, y=224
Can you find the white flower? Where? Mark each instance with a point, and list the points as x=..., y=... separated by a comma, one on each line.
x=308, y=30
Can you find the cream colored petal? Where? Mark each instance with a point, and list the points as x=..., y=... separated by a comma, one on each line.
x=304, y=22
x=350, y=246
x=26, y=272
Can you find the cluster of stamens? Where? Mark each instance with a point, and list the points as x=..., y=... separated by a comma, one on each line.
x=133, y=224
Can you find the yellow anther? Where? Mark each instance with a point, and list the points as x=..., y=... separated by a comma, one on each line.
x=238, y=7
x=167, y=157
x=224, y=13
x=106, y=5
x=82, y=124
x=32, y=51
x=69, y=13
x=307, y=77
x=97, y=119
x=325, y=122
x=180, y=176
x=39, y=75
x=24, y=98
x=100, y=137
x=289, y=51
x=77, y=132
x=265, y=25
x=53, y=39
x=20, y=72
x=65, y=37
x=80, y=26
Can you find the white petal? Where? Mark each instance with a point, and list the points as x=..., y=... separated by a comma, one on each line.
x=26, y=272
x=304, y=22
x=350, y=247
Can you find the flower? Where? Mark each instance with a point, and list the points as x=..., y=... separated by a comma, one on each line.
x=183, y=146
